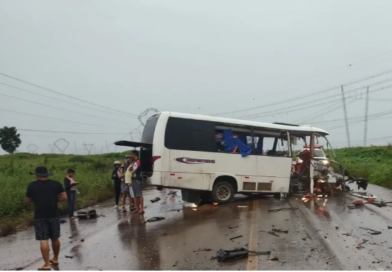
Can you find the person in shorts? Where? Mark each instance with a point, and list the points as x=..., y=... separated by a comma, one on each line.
x=137, y=183
x=45, y=194
x=124, y=185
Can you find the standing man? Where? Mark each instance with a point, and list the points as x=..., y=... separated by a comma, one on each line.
x=137, y=183
x=45, y=194
x=116, y=182
x=70, y=189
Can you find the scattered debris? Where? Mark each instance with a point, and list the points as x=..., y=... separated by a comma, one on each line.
x=280, y=231
x=336, y=228
x=82, y=240
x=276, y=259
x=62, y=220
x=389, y=227
x=346, y=234
x=273, y=234
x=175, y=264
x=359, y=246
x=202, y=249
x=283, y=209
x=68, y=257
x=87, y=214
x=70, y=237
x=172, y=193
x=236, y=237
x=233, y=227
x=155, y=200
x=231, y=255
x=371, y=231
x=154, y=219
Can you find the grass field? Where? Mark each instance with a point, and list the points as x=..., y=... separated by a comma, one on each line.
x=93, y=172
x=374, y=163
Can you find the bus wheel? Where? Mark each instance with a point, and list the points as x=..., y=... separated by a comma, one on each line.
x=223, y=192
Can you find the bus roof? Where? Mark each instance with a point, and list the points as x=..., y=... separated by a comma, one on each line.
x=296, y=130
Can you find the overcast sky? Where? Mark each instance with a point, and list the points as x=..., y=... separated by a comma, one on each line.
x=199, y=56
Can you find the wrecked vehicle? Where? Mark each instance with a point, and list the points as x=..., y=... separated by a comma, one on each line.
x=212, y=158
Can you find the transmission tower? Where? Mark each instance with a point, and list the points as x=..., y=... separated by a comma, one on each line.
x=32, y=148
x=61, y=144
x=88, y=148
x=143, y=117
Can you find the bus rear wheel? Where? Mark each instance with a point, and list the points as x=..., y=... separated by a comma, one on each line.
x=223, y=192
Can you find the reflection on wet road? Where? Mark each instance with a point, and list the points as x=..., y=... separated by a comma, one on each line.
x=321, y=235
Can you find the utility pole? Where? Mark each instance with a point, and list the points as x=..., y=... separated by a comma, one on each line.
x=345, y=117
x=366, y=116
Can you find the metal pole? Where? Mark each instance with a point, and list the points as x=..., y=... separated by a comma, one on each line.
x=345, y=117
x=366, y=116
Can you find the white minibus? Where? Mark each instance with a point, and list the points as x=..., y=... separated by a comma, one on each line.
x=214, y=158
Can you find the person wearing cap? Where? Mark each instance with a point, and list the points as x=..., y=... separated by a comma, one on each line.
x=45, y=194
x=116, y=182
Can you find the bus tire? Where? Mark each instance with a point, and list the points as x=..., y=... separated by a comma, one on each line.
x=223, y=192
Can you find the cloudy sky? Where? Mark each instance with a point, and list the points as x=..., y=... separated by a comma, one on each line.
x=259, y=60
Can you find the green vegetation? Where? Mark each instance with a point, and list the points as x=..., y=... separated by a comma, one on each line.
x=92, y=171
x=374, y=163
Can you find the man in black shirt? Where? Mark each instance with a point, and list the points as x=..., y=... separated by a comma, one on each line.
x=45, y=194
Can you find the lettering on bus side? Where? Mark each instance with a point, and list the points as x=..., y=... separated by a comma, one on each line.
x=193, y=161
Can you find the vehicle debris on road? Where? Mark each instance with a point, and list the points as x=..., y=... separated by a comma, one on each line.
x=236, y=254
x=273, y=233
x=280, y=231
x=172, y=193
x=155, y=200
x=236, y=237
x=87, y=214
x=232, y=227
x=68, y=257
x=156, y=218
x=371, y=231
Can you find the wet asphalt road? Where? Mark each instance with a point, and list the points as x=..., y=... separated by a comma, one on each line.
x=322, y=235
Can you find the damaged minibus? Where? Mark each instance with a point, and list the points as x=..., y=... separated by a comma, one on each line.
x=214, y=158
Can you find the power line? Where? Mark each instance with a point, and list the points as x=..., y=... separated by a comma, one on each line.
x=374, y=116
x=327, y=72
x=311, y=94
x=46, y=105
x=328, y=110
x=305, y=105
x=65, y=95
x=57, y=99
x=45, y=117
x=324, y=99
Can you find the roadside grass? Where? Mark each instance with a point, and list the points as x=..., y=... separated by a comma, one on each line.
x=373, y=163
x=93, y=172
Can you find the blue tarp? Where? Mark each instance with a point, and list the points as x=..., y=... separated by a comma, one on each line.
x=231, y=143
